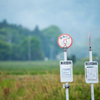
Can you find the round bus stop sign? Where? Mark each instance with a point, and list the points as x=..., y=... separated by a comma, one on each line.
x=64, y=40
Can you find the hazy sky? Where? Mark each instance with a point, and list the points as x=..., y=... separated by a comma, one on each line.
x=71, y=16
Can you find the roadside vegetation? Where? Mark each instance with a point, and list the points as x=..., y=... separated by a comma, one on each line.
x=41, y=81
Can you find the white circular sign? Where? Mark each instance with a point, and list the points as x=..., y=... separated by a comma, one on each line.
x=64, y=40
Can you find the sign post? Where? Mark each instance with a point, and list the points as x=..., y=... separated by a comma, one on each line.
x=66, y=66
x=91, y=70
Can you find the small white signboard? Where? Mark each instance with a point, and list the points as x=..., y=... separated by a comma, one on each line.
x=91, y=72
x=64, y=40
x=66, y=71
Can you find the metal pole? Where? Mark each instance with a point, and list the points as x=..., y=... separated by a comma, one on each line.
x=92, y=91
x=66, y=84
x=65, y=55
x=92, y=87
x=90, y=57
x=67, y=95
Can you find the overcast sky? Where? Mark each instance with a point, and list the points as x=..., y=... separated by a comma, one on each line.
x=71, y=16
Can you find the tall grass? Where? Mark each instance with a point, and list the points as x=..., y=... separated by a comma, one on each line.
x=41, y=81
x=44, y=87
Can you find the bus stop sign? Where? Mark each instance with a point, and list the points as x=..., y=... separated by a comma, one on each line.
x=91, y=72
x=64, y=40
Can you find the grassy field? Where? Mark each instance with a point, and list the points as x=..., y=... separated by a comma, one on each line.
x=41, y=81
x=32, y=68
x=37, y=67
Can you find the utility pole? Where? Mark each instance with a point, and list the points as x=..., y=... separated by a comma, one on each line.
x=29, y=49
x=52, y=49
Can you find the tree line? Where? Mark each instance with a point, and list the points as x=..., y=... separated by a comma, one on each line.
x=19, y=43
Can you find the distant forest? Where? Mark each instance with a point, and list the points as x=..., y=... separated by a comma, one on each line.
x=20, y=43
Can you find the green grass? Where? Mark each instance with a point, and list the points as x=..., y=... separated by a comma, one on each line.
x=37, y=67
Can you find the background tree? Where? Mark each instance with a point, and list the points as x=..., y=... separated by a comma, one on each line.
x=17, y=38
x=49, y=41
x=5, y=50
x=35, y=46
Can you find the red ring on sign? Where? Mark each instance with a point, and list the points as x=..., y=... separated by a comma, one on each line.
x=62, y=35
